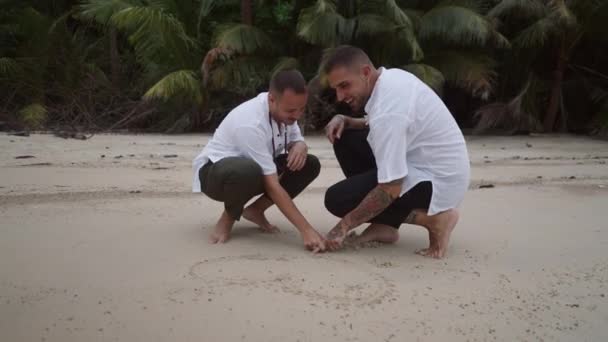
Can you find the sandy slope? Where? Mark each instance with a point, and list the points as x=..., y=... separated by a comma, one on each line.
x=114, y=249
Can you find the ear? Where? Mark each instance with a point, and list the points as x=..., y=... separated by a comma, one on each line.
x=366, y=70
x=271, y=97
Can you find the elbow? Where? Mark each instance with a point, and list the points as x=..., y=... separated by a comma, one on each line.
x=393, y=189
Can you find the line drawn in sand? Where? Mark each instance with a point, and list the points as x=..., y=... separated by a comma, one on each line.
x=343, y=283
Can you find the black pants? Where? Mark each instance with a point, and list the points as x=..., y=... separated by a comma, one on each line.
x=236, y=180
x=359, y=166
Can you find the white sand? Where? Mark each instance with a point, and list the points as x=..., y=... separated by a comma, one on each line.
x=106, y=249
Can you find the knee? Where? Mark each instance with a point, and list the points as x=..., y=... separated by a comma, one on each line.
x=332, y=201
x=342, y=144
x=247, y=172
x=313, y=165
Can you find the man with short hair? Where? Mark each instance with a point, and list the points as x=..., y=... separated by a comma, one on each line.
x=245, y=158
x=406, y=162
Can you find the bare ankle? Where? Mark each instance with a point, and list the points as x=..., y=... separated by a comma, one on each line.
x=417, y=217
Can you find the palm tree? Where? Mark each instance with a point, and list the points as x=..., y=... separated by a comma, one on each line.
x=43, y=61
x=552, y=29
x=439, y=41
x=242, y=53
x=163, y=36
x=443, y=43
x=79, y=60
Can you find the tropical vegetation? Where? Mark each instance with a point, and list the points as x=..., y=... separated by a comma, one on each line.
x=512, y=66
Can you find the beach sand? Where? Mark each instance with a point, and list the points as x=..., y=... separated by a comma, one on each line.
x=102, y=240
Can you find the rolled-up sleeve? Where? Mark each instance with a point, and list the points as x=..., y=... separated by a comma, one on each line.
x=387, y=138
x=251, y=141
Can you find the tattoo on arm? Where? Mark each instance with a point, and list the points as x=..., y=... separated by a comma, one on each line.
x=373, y=204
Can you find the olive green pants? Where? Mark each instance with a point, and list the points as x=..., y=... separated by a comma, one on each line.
x=236, y=180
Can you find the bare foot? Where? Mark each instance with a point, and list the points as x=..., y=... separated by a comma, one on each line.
x=258, y=217
x=221, y=232
x=377, y=233
x=440, y=228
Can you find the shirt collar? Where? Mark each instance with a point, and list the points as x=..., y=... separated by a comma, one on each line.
x=372, y=98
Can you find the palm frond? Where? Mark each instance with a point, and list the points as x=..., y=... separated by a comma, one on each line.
x=240, y=74
x=155, y=33
x=102, y=10
x=459, y=26
x=182, y=84
x=285, y=63
x=474, y=5
x=9, y=67
x=536, y=35
x=407, y=37
x=206, y=7
x=94, y=71
x=244, y=39
x=204, y=10
x=372, y=24
x=520, y=114
x=322, y=25
x=415, y=17
x=33, y=115
x=429, y=75
x=519, y=9
x=168, y=6
x=473, y=72
x=562, y=15
x=388, y=9
x=398, y=47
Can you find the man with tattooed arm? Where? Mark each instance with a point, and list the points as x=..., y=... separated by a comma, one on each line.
x=406, y=162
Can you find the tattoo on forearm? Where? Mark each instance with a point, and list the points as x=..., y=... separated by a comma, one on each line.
x=335, y=232
x=373, y=204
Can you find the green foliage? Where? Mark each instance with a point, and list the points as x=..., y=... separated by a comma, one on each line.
x=33, y=115
x=429, y=75
x=136, y=63
x=244, y=39
x=471, y=71
x=459, y=26
x=182, y=84
x=9, y=67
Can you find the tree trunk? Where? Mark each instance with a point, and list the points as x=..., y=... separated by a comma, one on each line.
x=247, y=12
x=114, y=57
x=556, y=89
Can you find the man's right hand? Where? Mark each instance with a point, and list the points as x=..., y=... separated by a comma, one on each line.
x=335, y=127
x=313, y=241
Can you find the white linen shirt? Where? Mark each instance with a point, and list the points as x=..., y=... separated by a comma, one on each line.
x=247, y=132
x=414, y=136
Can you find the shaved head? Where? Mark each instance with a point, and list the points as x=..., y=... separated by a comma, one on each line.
x=290, y=79
x=349, y=71
x=343, y=56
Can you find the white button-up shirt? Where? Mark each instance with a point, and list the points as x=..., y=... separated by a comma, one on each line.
x=247, y=131
x=414, y=136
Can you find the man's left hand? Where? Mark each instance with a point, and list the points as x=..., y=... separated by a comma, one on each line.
x=296, y=159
